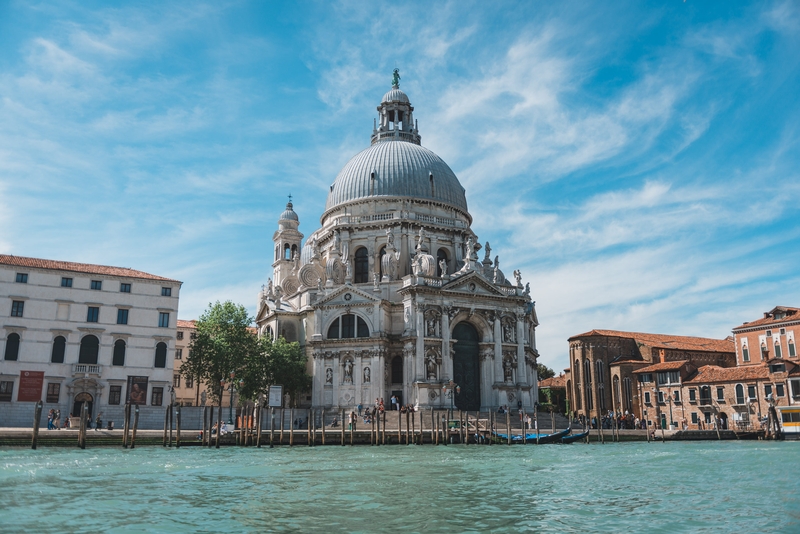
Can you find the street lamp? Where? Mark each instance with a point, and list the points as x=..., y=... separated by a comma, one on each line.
x=230, y=406
x=449, y=390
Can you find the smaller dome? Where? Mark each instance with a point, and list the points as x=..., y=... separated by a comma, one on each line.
x=394, y=95
x=289, y=214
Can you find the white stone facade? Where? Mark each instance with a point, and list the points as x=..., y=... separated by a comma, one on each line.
x=72, y=326
x=389, y=297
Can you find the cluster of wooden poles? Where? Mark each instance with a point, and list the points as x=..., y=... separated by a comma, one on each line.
x=437, y=431
x=37, y=418
x=416, y=432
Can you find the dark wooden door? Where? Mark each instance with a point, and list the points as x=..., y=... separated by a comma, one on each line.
x=466, y=367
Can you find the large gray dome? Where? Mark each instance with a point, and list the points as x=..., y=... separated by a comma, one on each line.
x=401, y=169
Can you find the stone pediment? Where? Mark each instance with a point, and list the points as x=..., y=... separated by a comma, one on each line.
x=347, y=296
x=473, y=284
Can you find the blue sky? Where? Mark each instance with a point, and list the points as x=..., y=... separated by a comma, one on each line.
x=638, y=161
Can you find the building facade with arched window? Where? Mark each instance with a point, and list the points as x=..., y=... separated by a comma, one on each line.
x=389, y=296
x=74, y=333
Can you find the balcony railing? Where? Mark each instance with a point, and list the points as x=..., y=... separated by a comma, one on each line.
x=86, y=369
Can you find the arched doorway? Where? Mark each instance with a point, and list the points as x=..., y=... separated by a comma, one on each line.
x=466, y=367
x=723, y=421
x=80, y=398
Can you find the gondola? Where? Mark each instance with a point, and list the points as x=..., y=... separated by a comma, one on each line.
x=574, y=437
x=531, y=438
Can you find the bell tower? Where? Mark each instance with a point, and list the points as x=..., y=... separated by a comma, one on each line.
x=287, y=244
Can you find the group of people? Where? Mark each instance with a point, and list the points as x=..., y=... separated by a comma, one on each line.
x=54, y=420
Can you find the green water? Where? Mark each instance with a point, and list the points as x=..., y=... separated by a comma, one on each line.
x=635, y=487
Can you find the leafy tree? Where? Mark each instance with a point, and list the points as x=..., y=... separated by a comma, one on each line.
x=276, y=362
x=544, y=372
x=222, y=345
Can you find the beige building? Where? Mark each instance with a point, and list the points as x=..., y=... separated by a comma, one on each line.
x=74, y=333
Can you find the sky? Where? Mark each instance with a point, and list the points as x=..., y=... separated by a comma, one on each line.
x=638, y=161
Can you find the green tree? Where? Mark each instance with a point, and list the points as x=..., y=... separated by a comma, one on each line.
x=223, y=344
x=544, y=372
x=276, y=362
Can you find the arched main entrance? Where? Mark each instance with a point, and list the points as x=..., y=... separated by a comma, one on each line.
x=466, y=367
x=80, y=398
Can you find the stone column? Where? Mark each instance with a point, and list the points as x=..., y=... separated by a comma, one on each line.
x=521, y=367
x=358, y=376
x=419, y=357
x=378, y=375
x=498, y=356
x=336, y=364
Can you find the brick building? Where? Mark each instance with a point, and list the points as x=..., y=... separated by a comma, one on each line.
x=604, y=364
x=686, y=382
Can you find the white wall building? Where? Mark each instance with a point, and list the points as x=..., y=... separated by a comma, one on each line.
x=389, y=296
x=73, y=333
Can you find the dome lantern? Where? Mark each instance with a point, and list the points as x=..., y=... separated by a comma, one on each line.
x=396, y=116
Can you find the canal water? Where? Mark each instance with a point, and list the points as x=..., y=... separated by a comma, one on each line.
x=629, y=487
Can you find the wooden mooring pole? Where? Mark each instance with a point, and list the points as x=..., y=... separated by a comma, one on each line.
x=280, y=441
x=126, y=421
x=204, y=431
x=219, y=421
x=323, y=426
x=291, y=428
x=508, y=425
x=210, y=424
x=342, y=437
x=310, y=424
x=171, y=422
x=260, y=425
x=37, y=420
x=178, y=426
x=271, y=427
x=166, y=424
x=135, y=424
x=82, y=431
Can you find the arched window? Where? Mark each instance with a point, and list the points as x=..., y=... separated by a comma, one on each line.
x=268, y=333
x=778, y=351
x=12, y=346
x=119, y=353
x=361, y=269
x=578, y=392
x=587, y=380
x=287, y=252
x=739, y=394
x=161, y=355
x=397, y=370
x=90, y=346
x=59, y=347
x=348, y=326
x=294, y=251
x=277, y=252
x=628, y=394
x=441, y=255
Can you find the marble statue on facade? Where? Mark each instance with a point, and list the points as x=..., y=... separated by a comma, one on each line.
x=329, y=376
x=348, y=371
x=367, y=373
x=518, y=278
x=431, y=366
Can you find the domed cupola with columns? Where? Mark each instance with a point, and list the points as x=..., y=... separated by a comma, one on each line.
x=389, y=296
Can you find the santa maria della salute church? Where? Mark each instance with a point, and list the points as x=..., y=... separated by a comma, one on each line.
x=390, y=296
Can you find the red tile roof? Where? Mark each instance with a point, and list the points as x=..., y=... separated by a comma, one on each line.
x=554, y=382
x=88, y=268
x=789, y=314
x=713, y=373
x=187, y=324
x=663, y=366
x=666, y=341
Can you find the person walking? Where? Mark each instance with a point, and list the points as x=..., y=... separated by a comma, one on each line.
x=360, y=408
x=98, y=422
